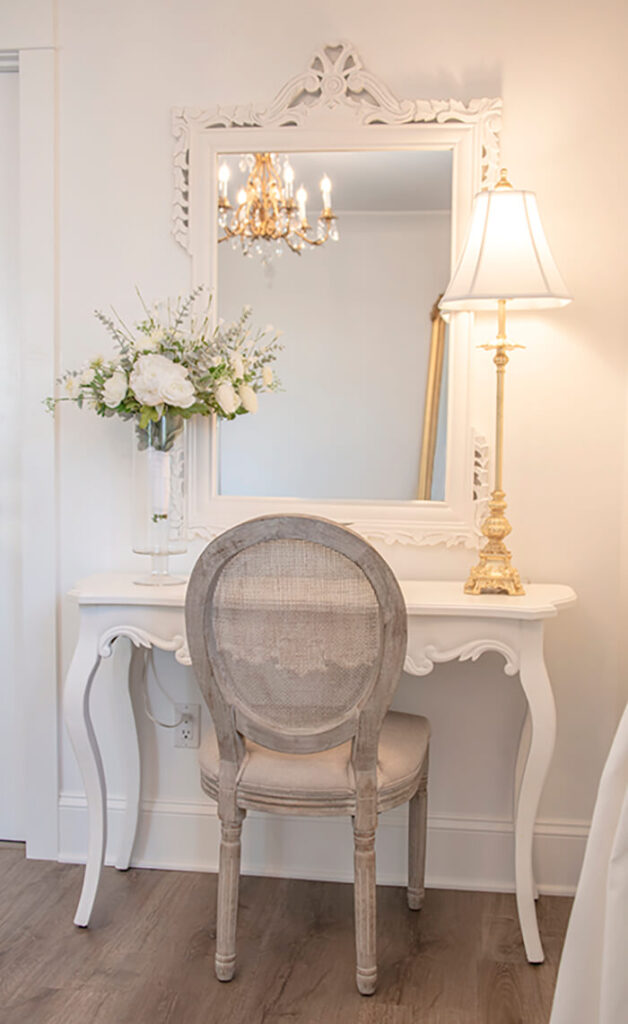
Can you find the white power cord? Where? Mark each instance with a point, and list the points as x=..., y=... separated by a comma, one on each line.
x=163, y=725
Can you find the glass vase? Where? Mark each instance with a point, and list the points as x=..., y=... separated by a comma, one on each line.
x=159, y=526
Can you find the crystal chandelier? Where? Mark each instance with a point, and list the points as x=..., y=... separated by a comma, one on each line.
x=268, y=215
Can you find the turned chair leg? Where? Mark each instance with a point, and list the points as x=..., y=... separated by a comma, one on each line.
x=365, y=910
x=228, y=885
x=417, y=829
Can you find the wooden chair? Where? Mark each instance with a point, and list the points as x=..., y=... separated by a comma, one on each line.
x=297, y=633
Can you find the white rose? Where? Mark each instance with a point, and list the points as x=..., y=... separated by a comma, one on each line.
x=248, y=397
x=151, y=375
x=267, y=375
x=72, y=387
x=237, y=365
x=146, y=394
x=226, y=397
x=179, y=391
x=159, y=366
x=87, y=375
x=114, y=389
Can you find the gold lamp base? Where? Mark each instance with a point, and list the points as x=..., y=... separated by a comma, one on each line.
x=494, y=573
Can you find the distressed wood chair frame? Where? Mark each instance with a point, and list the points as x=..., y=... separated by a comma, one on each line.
x=361, y=724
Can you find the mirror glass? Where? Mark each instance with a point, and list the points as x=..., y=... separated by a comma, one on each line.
x=356, y=329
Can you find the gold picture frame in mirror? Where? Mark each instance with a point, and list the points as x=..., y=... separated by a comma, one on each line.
x=433, y=404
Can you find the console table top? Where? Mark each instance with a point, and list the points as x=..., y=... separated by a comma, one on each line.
x=422, y=597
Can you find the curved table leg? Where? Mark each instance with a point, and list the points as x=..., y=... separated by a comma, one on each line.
x=522, y=757
x=77, y=689
x=542, y=713
x=137, y=668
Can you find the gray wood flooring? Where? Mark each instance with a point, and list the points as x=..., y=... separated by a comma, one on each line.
x=147, y=958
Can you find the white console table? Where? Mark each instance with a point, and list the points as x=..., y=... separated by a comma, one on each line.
x=443, y=625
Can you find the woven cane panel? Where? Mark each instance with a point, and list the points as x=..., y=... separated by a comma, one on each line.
x=297, y=629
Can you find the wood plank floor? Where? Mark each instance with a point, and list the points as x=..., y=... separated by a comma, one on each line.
x=147, y=957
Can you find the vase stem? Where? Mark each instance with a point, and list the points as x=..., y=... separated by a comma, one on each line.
x=159, y=528
x=159, y=565
x=159, y=575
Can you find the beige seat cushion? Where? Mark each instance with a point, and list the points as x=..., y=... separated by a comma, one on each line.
x=323, y=782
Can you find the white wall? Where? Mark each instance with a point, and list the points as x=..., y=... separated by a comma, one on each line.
x=559, y=68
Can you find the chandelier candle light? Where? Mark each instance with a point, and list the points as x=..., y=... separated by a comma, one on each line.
x=505, y=261
x=268, y=216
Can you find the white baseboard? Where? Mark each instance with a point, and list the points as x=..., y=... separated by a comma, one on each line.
x=463, y=852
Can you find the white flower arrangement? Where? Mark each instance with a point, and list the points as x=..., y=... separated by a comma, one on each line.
x=175, y=366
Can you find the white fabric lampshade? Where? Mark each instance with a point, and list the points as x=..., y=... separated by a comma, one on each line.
x=505, y=256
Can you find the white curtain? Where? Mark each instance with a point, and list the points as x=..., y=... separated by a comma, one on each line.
x=592, y=985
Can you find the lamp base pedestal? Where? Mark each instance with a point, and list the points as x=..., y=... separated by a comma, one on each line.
x=488, y=578
x=494, y=573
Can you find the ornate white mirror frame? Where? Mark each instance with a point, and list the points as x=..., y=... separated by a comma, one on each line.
x=336, y=104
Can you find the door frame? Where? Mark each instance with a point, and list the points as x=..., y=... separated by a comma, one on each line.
x=38, y=781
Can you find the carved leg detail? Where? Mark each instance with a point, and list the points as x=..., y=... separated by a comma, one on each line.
x=522, y=758
x=137, y=668
x=365, y=910
x=77, y=689
x=417, y=834
x=538, y=691
x=228, y=885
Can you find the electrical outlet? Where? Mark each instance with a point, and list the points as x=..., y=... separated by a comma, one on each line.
x=187, y=732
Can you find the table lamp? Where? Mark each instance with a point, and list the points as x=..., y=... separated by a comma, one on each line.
x=505, y=261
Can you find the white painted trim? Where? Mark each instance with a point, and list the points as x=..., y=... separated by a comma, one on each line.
x=466, y=852
x=37, y=254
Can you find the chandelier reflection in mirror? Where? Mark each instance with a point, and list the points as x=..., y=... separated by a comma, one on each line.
x=268, y=216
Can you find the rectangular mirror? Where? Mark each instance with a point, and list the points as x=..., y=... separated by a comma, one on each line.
x=356, y=328
x=345, y=440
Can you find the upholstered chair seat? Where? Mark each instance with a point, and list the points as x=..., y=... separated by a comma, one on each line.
x=324, y=782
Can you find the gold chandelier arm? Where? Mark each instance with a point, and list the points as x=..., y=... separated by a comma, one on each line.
x=328, y=217
x=268, y=213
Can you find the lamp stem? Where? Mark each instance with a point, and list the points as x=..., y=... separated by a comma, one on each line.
x=501, y=361
x=494, y=573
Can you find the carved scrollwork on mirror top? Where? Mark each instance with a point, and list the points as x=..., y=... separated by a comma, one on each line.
x=337, y=103
x=335, y=76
